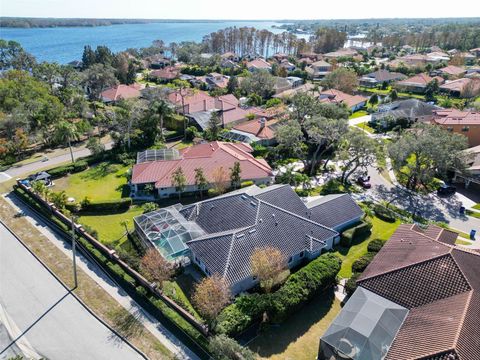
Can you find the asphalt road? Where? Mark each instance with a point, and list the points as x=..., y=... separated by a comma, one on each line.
x=43, y=317
x=15, y=172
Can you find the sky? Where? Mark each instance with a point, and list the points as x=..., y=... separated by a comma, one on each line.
x=241, y=10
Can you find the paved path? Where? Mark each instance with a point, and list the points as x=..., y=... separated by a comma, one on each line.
x=46, y=316
x=359, y=120
x=99, y=276
x=15, y=172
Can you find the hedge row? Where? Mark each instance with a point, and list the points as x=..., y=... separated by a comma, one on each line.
x=364, y=228
x=375, y=245
x=122, y=204
x=60, y=171
x=384, y=213
x=361, y=264
x=299, y=288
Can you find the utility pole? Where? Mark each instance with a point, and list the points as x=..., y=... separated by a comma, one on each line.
x=74, y=252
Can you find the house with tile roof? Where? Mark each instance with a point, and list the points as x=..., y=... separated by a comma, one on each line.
x=353, y=102
x=261, y=131
x=220, y=234
x=419, y=298
x=466, y=123
x=207, y=156
x=380, y=77
x=417, y=83
x=451, y=71
x=464, y=87
x=121, y=92
x=319, y=69
x=410, y=110
x=259, y=64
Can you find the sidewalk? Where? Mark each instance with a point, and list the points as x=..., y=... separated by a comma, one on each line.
x=105, y=282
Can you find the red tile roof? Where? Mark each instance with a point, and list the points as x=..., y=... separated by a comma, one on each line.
x=460, y=84
x=338, y=97
x=259, y=63
x=456, y=117
x=209, y=157
x=121, y=92
x=420, y=80
x=253, y=127
x=439, y=283
x=453, y=70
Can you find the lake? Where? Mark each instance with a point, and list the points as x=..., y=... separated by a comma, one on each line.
x=64, y=44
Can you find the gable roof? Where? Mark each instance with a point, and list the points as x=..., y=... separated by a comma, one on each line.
x=209, y=157
x=456, y=117
x=334, y=210
x=385, y=75
x=259, y=63
x=452, y=70
x=338, y=97
x=419, y=80
x=408, y=109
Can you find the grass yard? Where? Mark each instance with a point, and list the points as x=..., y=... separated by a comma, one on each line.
x=104, y=181
x=108, y=226
x=474, y=214
x=358, y=114
x=462, y=242
x=477, y=206
x=364, y=126
x=381, y=230
x=298, y=337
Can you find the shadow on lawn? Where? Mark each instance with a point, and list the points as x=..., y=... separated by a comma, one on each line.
x=360, y=239
x=276, y=338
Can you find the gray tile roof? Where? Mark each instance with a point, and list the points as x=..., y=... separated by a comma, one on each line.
x=238, y=222
x=334, y=210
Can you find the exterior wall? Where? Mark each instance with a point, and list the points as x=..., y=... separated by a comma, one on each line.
x=347, y=224
x=473, y=133
x=358, y=106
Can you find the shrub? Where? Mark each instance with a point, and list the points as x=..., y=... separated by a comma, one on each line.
x=79, y=166
x=355, y=233
x=361, y=264
x=272, y=102
x=304, y=284
x=333, y=186
x=225, y=348
x=375, y=245
x=106, y=205
x=60, y=171
x=351, y=284
x=384, y=213
x=246, y=183
x=213, y=192
x=346, y=238
x=232, y=320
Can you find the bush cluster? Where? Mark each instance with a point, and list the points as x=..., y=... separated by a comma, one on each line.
x=246, y=183
x=384, y=213
x=361, y=264
x=354, y=233
x=375, y=245
x=299, y=288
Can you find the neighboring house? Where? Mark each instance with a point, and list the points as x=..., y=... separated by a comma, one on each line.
x=471, y=178
x=121, y=92
x=227, y=229
x=319, y=69
x=294, y=81
x=451, y=72
x=417, y=84
x=215, y=81
x=411, y=110
x=418, y=299
x=353, y=102
x=461, y=122
x=468, y=58
x=380, y=77
x=436, y=57
x=258, y=64
x=261, y=131
x=287, y=65
x=307, y=87
x=192, y=101
x=209, y=157
x=229, y=64
x=231, y=56
x=165, y=74
x=345, y=52
x=465, y=87
x=282, y=84
x=157, y=61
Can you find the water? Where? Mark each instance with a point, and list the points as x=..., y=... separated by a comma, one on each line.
x=64, y=44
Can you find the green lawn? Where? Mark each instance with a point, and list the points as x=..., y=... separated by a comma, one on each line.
x=477, y=206
x=462, y=242
x=474, y=214
x=358, y=114
x=108, y=225
x=381, y=230
x=298, y=337
x=365, y=127
x=104, y=181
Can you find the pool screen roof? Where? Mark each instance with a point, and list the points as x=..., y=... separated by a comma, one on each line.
x=168, y=230
x=157, y=154
x=365, y=328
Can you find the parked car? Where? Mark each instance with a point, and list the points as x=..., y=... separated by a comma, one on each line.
x=364, y=181
x=446, y=190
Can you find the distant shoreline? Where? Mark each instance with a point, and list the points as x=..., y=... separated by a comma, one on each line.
x=25, y=23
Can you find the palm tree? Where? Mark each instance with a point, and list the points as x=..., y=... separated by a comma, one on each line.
x=161, y=109
x=41, y=189
x=59, y=199
x=65, y=131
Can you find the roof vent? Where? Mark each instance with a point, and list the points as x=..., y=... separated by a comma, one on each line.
x=253, y=203
x=260, y=220
x=251, y=231
x=240, y=236
x=212, y=207
x=273, y=215
x=244, y=197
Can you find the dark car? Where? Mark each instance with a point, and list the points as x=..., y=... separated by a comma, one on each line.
x=446, y=190
x=364, y=181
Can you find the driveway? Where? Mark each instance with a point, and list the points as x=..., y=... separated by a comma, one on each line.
x=43, y=317
x=359, y=120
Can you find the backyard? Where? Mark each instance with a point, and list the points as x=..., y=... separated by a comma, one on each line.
x=298, y=337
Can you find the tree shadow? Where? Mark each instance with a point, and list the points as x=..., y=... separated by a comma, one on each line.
x=99, y=171
x=276, y=338
x=127, y=323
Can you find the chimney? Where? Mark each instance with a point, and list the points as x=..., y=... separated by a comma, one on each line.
x=204, y=104
x=262, y=122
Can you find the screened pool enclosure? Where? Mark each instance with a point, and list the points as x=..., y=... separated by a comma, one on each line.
x=167, y=230
x=364, y=329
